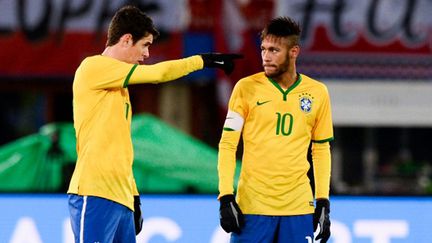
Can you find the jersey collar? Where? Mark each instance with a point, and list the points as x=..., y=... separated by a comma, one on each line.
x=285, y=92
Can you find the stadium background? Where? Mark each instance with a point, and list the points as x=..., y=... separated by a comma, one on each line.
x=374, y=55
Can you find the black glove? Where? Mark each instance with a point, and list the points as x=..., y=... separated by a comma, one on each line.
x=322, y=217
x=230, y=215
x=219, y=60
x=138, y=219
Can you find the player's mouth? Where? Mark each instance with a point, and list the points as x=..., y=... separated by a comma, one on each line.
x=269, y=67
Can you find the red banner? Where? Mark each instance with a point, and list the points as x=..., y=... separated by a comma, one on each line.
x=341, y=38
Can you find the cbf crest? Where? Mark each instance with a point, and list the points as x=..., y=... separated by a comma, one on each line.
x=306, y=101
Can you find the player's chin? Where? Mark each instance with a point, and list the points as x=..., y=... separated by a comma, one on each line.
x=270, y=72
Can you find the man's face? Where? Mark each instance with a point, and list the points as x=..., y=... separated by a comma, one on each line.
x=275, y=55
x=136, y=53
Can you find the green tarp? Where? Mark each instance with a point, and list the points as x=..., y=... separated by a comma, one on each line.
x=166, y=160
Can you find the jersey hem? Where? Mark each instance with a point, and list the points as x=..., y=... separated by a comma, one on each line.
x=280, y=213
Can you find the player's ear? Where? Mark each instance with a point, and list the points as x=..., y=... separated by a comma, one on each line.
x=126, y=40
x=294, y=52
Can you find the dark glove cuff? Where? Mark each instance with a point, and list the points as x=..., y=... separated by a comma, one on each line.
x=137, y=201
x=323, y=203
x=227, y=198
x=207, y=59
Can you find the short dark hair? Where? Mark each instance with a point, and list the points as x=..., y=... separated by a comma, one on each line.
x=130, y=20
x=283, y=27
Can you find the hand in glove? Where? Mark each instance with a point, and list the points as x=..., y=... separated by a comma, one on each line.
x=219, y=60
x=322, y=217
x=230, y=215
x=138, y=219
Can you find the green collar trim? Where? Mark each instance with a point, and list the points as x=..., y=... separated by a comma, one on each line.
x=285, y=92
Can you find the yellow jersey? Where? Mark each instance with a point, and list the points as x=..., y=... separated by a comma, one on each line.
x=102, y=120
x=277, y=127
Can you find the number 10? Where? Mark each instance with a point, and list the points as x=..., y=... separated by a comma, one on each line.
x=281, y=122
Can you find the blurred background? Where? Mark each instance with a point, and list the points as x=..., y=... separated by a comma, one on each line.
x=375, y=56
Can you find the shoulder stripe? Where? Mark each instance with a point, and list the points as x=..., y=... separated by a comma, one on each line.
x=125, y=84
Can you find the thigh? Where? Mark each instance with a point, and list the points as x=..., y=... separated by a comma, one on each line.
x=96, y=219
x=296, y=229
x=126, y=229
x=75, y=208
x=257, y=228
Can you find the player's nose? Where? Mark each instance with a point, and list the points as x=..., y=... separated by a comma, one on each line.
x=265, y=57
x=146, y=54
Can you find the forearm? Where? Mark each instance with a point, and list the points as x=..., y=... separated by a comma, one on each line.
x=166, y=71
x=321, y=158
x=227, y=161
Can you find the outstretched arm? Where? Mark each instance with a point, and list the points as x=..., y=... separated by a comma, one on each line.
x=174, y=69
x=165, y=71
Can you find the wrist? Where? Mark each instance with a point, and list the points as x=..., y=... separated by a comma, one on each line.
x=227, y=198
x=323, y=203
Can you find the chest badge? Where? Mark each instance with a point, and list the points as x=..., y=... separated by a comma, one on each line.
x=306, y=101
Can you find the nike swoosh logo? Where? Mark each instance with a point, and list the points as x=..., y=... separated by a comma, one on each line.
x=219, y=62
x=262, y=103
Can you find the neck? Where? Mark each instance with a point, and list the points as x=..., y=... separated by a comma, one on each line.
x=287, y=79
x=113, y=52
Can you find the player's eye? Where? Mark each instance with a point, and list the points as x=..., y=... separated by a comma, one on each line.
x=273, y=50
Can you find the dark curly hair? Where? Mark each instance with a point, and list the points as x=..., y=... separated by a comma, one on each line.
x=283, y=27
x=130, y=20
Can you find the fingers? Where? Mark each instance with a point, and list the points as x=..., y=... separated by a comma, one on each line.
x=231, y=219
x=323, y=238
x=323, y=234
x=229, y=58
x=228, y=69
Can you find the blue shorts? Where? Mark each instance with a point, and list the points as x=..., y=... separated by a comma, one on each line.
x=272, y=229
x=96, y=219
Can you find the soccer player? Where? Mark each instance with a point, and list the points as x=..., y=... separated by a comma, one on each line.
x=278, y=113
x=103, y=197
